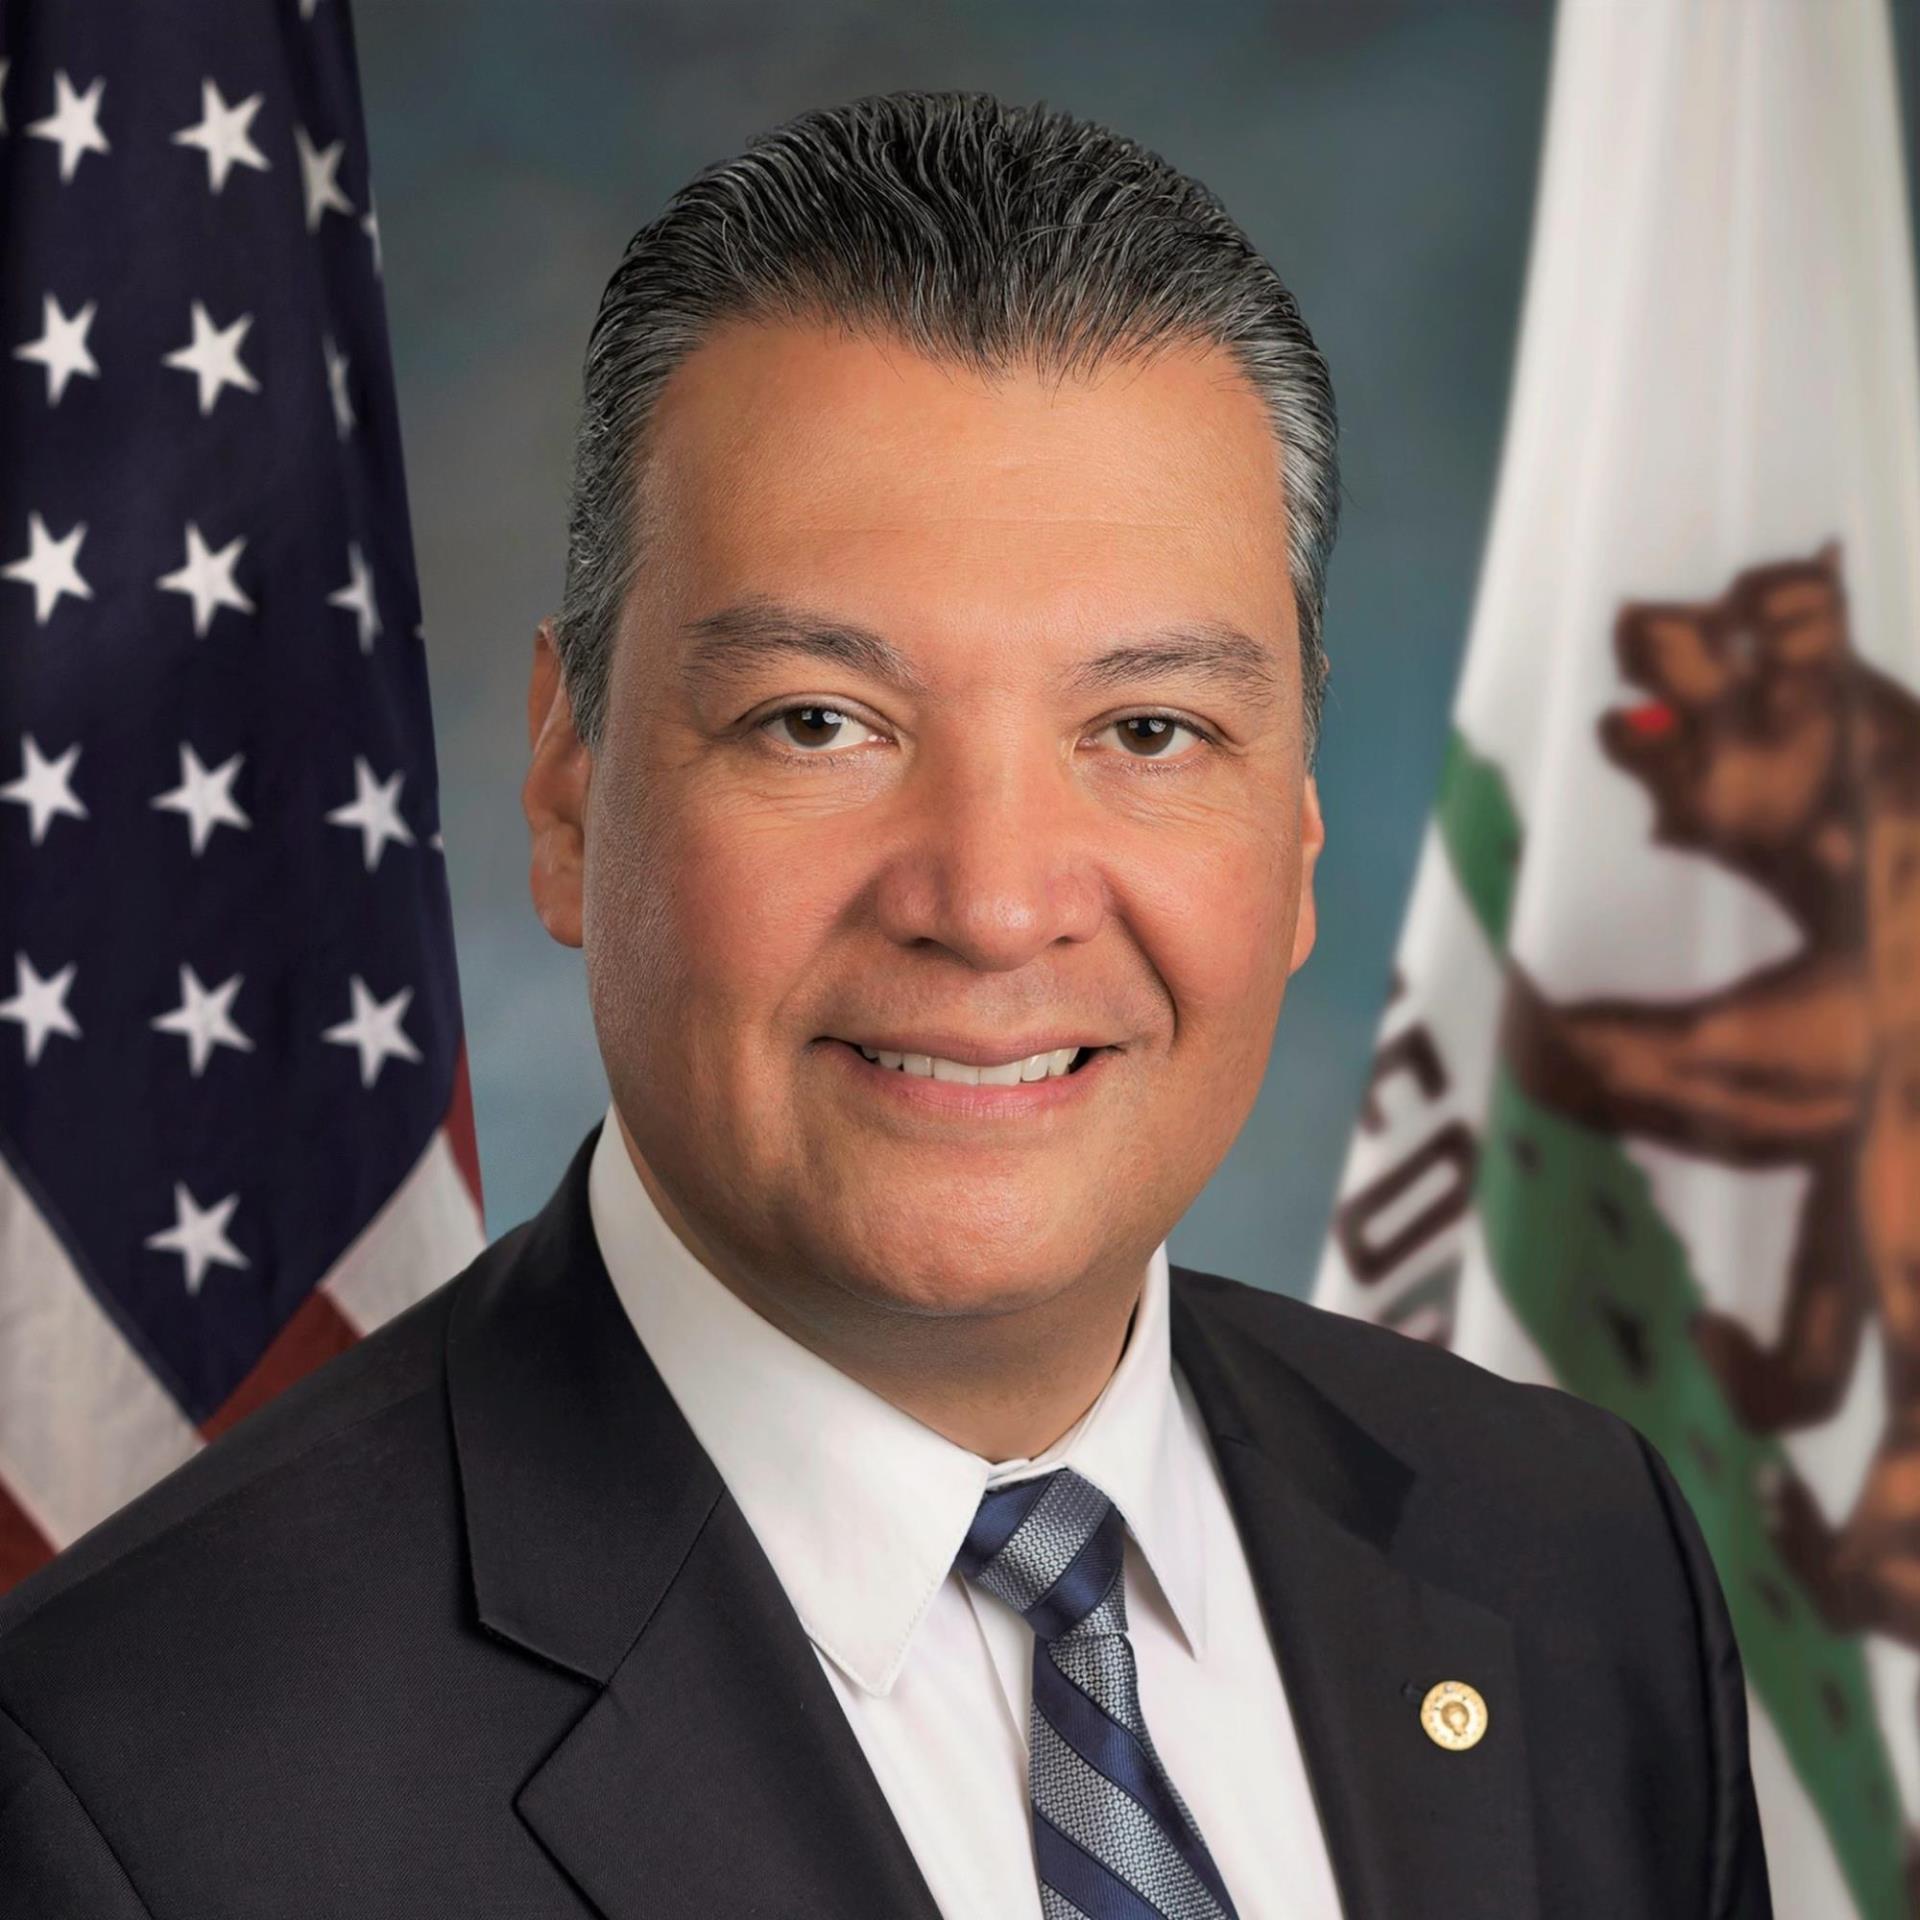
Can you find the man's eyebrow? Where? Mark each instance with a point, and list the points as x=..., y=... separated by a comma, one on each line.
x=1209, y=650
x=736, y=637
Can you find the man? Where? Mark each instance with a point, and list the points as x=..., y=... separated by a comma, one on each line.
x=834, y=1503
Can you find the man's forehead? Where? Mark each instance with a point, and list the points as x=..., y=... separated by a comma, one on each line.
x=862, y=432
x=814, y=494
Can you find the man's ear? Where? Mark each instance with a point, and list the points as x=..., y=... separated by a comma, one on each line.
x=554, y=795
x=1313, y=836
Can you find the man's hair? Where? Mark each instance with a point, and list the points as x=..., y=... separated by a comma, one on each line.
x=976, y=234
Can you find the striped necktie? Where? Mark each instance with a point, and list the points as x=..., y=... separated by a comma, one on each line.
x=1112, y=1838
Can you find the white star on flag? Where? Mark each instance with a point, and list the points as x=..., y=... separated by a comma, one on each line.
x=204, y=1019
x=357, y=597
x=222, y=135
x=344, y=419
x=74, y=123
x=375, y=810
x=206, y=799
x=62, y=346
x=50, y=567
x=207, y=579
x=374, y=1029
x=39, y=1007
x=198, y=1235
x=318, y=165
x=213, y=357
x=45, y=788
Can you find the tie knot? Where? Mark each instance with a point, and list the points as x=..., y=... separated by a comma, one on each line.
x=1051, y=1549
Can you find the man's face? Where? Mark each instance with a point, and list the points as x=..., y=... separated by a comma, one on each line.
x=948, y=718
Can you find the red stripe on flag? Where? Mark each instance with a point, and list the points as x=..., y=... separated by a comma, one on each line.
x=459, y=1127
x=23, y=1546
x=314, y=1335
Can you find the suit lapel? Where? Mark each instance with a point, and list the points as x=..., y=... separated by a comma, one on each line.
x=715, y=1771
x=1333, y=1525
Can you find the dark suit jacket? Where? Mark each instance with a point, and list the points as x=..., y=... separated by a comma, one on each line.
x=467, y=1625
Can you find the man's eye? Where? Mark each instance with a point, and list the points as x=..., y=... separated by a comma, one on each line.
x=815, y=725
x=1151, y=736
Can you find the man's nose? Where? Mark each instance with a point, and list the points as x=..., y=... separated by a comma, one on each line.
x=997, y=861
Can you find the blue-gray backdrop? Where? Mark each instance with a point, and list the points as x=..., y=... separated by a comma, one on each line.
x=1381, y=152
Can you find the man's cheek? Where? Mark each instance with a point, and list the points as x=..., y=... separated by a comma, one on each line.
x=752, y=898
x=1220, y=947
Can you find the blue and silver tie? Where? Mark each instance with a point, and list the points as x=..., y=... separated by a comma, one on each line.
x=1112, y=1838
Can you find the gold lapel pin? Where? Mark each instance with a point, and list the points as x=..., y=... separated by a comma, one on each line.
x=1454, y=1715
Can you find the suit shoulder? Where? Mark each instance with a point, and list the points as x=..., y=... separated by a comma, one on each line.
x=326, y=1414
x=1438, y=1410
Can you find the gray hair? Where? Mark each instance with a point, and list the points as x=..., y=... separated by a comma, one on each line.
x=976, y=234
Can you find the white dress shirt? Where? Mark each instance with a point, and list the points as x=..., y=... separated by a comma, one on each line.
x=861, y=1510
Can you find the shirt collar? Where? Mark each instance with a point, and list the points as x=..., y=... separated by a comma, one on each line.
x=860, y=1508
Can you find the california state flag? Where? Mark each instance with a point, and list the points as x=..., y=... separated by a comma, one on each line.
x=1644, y=1118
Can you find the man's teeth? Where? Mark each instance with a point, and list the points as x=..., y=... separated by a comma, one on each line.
x=929, y=1066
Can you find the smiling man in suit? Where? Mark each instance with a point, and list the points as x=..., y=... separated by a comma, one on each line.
x=835, y=1503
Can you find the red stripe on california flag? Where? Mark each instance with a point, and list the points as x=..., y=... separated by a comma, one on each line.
x=315, y=1334
x=458, y=1126
x=23, y=1547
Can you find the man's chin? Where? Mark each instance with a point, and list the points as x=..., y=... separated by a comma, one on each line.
x=942, y=1270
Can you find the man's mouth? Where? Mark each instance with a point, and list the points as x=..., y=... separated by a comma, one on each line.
x=1053, y=1063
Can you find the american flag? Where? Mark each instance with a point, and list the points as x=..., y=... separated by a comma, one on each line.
x=235, y=1130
